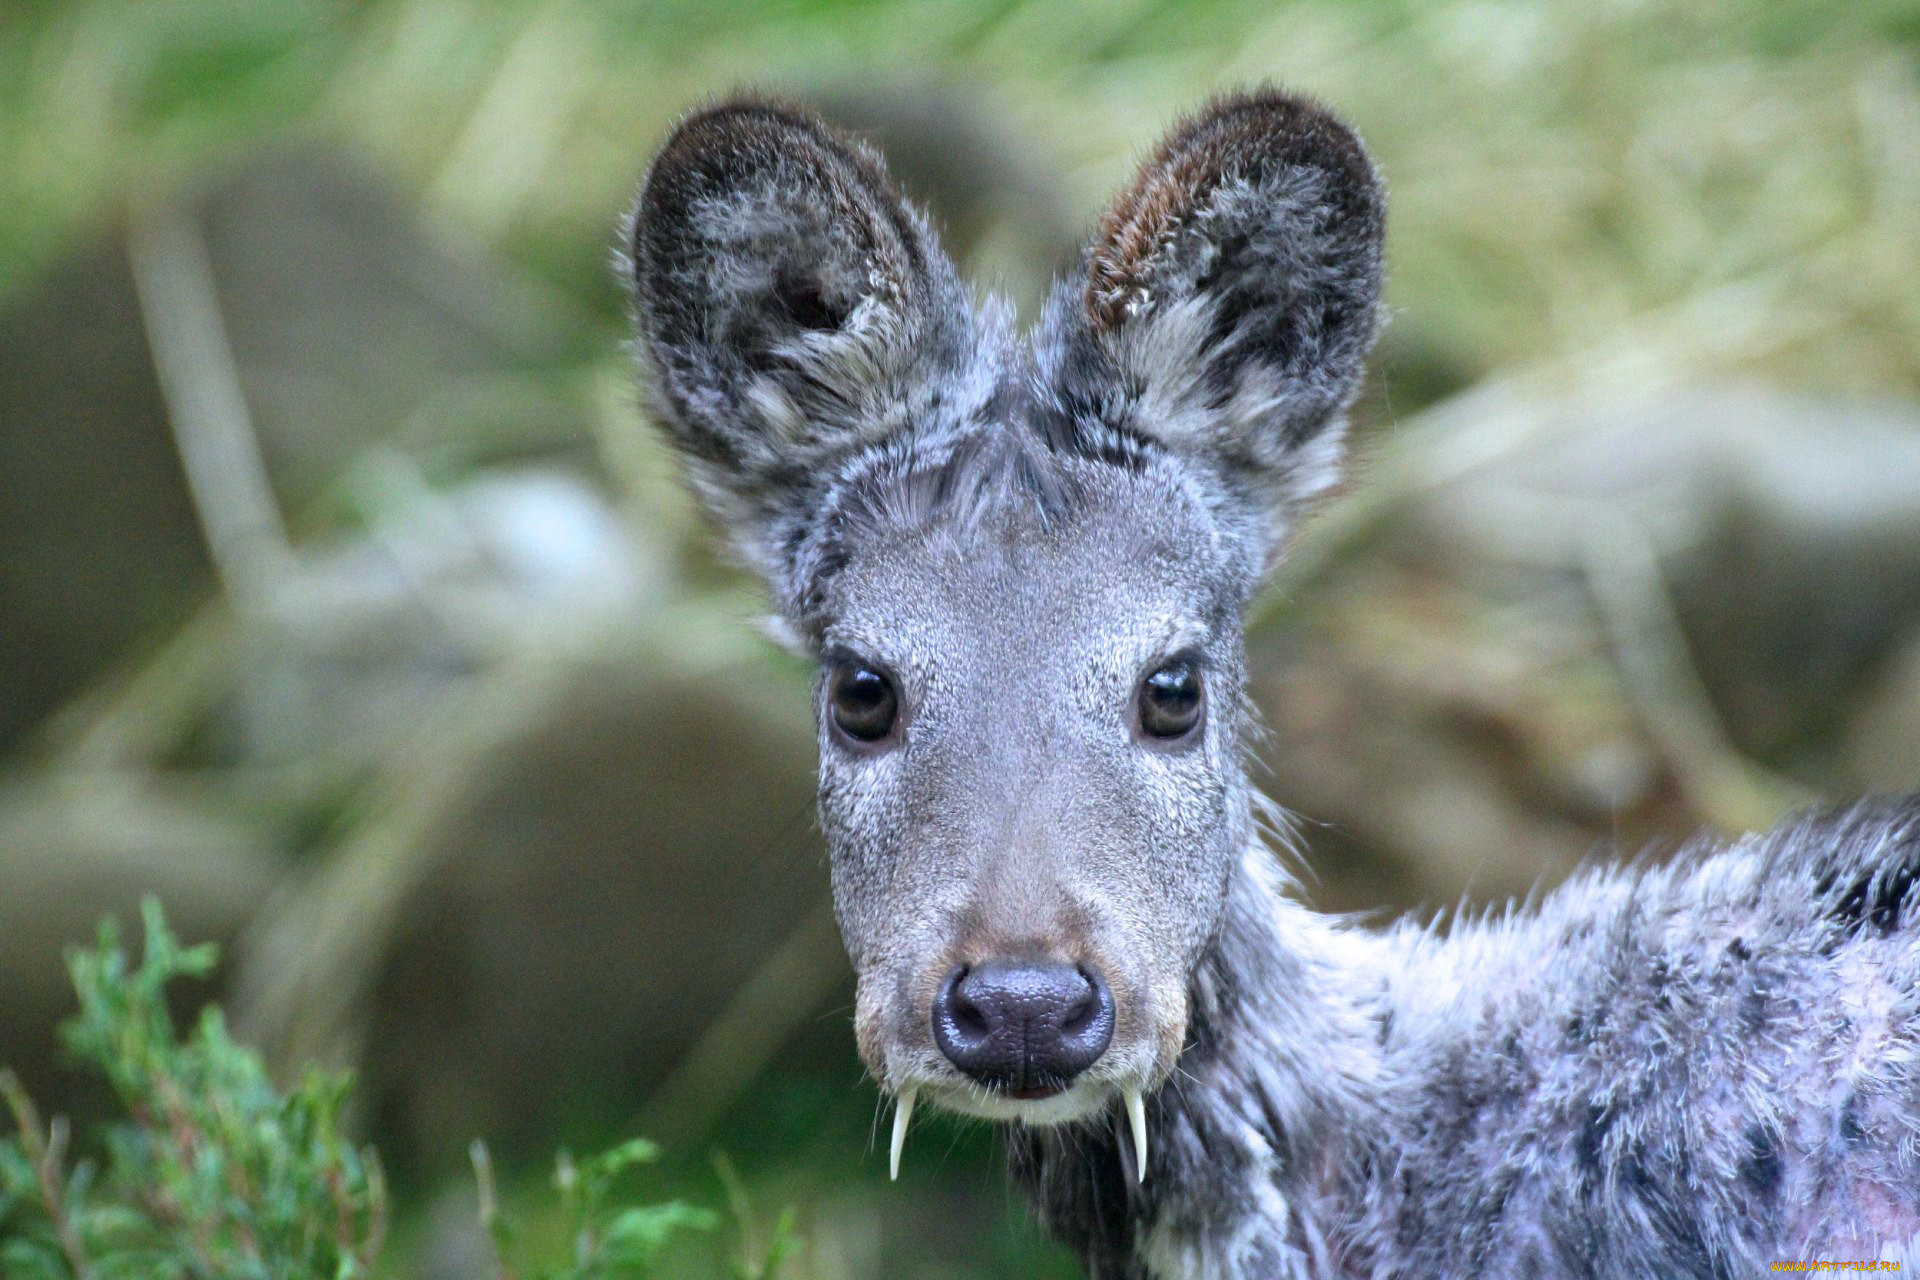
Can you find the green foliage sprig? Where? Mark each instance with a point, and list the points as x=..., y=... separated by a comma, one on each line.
x=608, y=1242
x=214, y=1174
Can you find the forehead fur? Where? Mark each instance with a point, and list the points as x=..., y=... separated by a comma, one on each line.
x=1006, y=495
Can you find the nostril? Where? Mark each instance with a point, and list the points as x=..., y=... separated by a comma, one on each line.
x=1080, y=1012
x=1086, y=1034
x=960, y=1024
x=967, y=1016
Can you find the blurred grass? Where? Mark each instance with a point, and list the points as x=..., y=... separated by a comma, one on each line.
x=1557, y=168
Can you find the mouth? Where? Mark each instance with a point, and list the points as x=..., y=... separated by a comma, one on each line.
x=1042, y=1106
x=1036, y=1093
x=1047, y=1102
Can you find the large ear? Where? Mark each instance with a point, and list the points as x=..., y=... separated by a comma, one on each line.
x=793, y=311
x=1229, y=301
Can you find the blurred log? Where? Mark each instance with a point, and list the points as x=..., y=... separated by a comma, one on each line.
x=560, y=892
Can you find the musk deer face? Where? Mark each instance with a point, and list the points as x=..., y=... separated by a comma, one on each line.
x=1021, y=563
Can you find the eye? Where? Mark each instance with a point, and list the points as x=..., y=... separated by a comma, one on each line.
x=862, y=702
x=1170, y=699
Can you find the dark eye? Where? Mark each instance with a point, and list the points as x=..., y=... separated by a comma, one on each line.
x=1170, y=699
x=862, y=702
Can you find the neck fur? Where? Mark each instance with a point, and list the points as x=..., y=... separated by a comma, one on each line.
x=1260, y=1125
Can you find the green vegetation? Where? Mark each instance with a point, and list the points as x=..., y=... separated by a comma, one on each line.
x=214, y=1174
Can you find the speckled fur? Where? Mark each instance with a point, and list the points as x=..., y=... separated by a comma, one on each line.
x=1684, y=1070
x=1688, y=1070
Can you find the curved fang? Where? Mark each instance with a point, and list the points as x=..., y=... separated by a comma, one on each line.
x=1137, y=1117
x=902, y=1112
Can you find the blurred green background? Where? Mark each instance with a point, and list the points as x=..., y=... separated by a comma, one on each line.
x=349, y=603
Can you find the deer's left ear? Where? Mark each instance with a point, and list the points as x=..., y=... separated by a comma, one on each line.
x=794, y=312
x=1229, y=300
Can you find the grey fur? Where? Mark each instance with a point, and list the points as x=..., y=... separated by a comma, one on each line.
x=1684, y=1071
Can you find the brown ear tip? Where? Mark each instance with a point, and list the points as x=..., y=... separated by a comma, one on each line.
x=736, y=140
x=1273, y=124
x=1250, y=134
x=1264, y=97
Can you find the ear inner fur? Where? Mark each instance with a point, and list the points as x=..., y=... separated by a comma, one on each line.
x=728, y=142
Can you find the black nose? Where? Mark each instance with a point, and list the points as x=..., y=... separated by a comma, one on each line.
x=1026, y=1028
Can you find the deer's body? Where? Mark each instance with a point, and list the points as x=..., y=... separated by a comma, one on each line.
x=1690, y=1070
x=1022, y=566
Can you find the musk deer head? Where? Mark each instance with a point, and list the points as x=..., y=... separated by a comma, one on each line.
x=1020, y=560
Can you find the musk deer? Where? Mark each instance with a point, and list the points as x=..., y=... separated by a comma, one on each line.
x=1022, y=561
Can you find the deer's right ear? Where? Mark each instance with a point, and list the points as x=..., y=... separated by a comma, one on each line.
x=792, y=310
x=1229, y=300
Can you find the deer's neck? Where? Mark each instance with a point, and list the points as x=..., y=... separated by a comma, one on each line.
x=1257, y=1132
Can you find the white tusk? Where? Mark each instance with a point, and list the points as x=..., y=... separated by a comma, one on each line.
x=1137, y=1117
x=902, y=1112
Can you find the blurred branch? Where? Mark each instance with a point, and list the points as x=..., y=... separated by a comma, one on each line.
x=743, y=1037
x=206, y=407
x=1650, y=648
x=133, y=718
x=312, y=957
x=498, y=161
